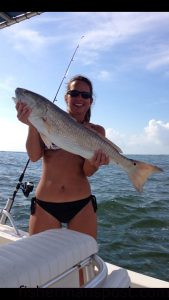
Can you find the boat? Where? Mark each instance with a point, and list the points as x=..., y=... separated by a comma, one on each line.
x=54, y=259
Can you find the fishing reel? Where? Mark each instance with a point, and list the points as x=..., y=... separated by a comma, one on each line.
x=27, y=188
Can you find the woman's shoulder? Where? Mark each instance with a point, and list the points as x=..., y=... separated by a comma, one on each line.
x=100, y=129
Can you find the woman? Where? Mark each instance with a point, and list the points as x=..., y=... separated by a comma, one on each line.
x=63, y=194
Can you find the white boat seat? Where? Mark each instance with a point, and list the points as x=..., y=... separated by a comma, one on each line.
x=37, y=259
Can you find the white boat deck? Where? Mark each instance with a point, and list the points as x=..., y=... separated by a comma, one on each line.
x=53, y=259
x=139, y=280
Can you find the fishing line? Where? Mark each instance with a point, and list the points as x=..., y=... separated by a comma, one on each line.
x=27, y=187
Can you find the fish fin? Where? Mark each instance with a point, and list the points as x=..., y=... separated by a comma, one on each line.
x=47, y=142
x=46, y=124
x=15, y=99
x=140, y=172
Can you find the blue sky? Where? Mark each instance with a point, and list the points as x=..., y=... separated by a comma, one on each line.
x=126, y=56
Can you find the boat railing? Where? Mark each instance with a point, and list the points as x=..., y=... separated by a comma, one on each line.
x=5, y=214
x=94, y=273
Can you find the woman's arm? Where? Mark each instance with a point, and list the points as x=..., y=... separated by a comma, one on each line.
x=34, y=143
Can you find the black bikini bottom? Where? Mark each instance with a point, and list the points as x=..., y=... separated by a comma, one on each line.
x=63, y=211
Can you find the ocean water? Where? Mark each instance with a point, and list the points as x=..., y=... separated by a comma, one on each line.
x=133, y=228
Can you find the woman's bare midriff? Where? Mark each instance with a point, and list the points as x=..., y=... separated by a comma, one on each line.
x=62, y=178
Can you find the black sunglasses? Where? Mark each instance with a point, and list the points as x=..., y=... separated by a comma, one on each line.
x=75, y=93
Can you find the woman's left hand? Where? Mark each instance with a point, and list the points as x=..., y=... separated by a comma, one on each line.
x=99, y=158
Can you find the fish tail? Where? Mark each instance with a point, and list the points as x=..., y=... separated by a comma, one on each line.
x=140, y=173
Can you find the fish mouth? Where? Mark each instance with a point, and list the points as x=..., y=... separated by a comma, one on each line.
x=19, y=90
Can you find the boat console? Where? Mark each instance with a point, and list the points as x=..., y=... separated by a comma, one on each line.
x=52, y=258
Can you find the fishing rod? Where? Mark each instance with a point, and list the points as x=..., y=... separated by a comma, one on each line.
x=64, y=76
x=27, y=187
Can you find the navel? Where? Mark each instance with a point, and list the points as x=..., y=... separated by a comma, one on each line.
x=62, y=188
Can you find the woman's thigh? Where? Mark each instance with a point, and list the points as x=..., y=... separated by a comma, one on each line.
x=85, y=221
x=41, y=221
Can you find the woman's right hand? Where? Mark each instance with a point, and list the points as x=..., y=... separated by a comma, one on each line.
x=23, y=112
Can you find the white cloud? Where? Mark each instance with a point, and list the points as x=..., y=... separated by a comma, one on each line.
x=105, y=29
x=153, y=140
x=158, y=131
x=24, y=39
x=28, y=41
x=12, y=135
x=111, y=28
x=159, y=59
x=103, y=75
